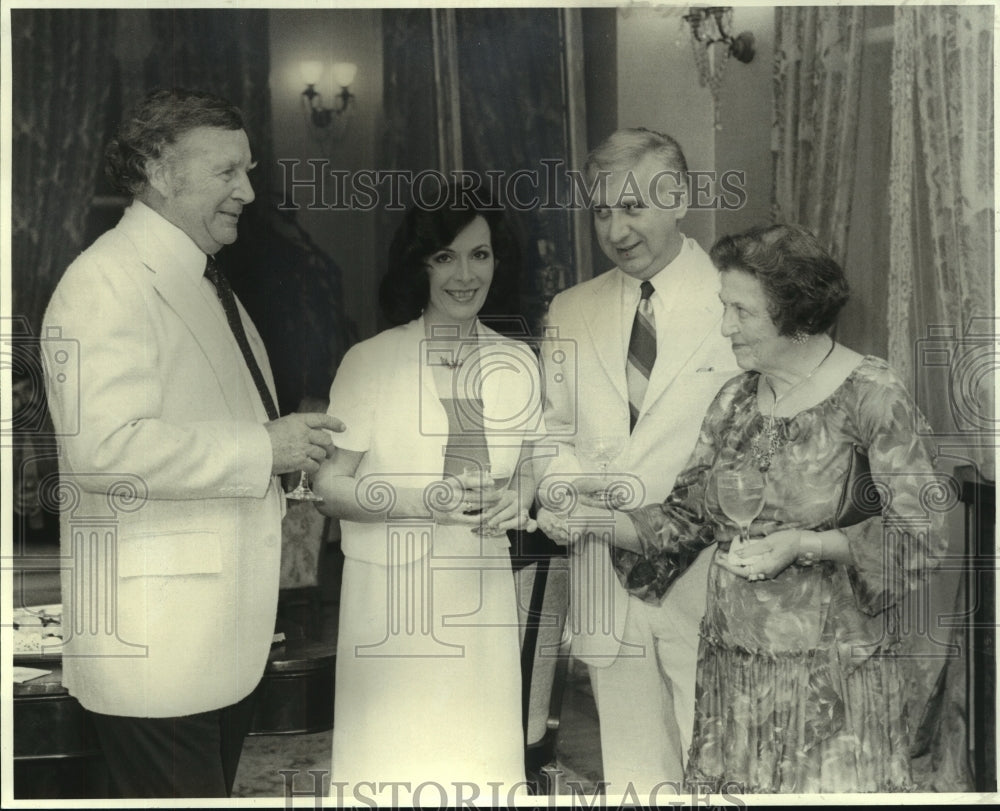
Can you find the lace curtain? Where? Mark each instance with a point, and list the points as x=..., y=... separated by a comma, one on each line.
x=941, y=325
x=941, y=212
x=57, y=126
x=817, y=79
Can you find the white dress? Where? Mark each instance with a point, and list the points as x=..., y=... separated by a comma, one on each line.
x=428, y=684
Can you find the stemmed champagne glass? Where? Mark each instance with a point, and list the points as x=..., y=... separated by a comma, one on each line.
x=302, y=491
x=741, y=497
x=601, y=450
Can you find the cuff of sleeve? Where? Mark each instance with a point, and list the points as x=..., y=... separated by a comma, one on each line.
x=256, y=459
x=873, y=574
x=645, y=528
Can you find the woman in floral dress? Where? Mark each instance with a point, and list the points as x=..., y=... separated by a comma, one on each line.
x=799, y=688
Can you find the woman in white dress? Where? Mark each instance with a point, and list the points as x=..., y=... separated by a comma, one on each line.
x=428, y=686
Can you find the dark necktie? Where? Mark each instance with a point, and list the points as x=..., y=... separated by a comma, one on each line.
x=228, y=299
x=641, y=353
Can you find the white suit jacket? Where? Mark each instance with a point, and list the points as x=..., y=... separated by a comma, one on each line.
x=170, y=522
x=589, y=394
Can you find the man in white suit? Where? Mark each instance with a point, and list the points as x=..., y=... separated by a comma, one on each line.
x=641, y=657
x=169, y=432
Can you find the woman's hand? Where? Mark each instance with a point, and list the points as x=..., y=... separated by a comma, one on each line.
x=471, y=500
x=594, y=492
x=462, y=500
x=554, y=525
x=509, y=512
x=762, y=558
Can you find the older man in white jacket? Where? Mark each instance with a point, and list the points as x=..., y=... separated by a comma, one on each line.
x=170, y=448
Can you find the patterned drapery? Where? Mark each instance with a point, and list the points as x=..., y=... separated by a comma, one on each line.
x=74, y=72
x=410, y=109
x=817, y=79
x=512, y=113
x=941, y=324
x=221, y=51
x=511, y=123
x=941, y=213
x=57, y=126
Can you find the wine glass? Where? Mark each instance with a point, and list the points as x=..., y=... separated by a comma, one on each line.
x=601, y=450
x=302, y=491
x=741, y=497
x=499, y=476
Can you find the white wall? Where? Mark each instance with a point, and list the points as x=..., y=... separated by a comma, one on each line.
x=658, y=87
x=746, y=111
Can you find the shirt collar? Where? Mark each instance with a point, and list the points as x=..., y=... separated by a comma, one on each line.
x=167, y=238
x=669, y=280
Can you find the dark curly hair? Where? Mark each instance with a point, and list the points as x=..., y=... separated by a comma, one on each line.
x=405, y=288
x=158, y=121
x=804, y=286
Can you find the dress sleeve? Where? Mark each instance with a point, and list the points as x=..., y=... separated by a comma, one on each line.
x=674, y=533
x=892, y=553
x=353, y=398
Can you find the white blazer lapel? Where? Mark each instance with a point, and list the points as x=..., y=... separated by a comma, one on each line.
x=602, y=314
x=697, y=321
x=215, y=338
x=417, y=378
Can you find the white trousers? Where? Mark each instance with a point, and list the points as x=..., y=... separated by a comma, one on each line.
x=646, y=703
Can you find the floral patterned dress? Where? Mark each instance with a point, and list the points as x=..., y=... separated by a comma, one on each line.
x=799, y=688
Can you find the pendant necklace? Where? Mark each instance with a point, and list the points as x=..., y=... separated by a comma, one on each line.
x=448, y=363
x=453, y=359
x=768, y=440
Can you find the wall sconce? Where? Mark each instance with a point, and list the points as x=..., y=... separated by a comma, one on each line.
x=712, y=26
x=321, y=118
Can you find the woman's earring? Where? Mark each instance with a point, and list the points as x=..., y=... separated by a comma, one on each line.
x=799, y=337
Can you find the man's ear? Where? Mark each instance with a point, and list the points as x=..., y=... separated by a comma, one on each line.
x=677, y=194
x=160, y=175
x=682, y=201
x=671, y=192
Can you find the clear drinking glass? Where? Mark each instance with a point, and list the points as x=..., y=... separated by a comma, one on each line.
x=499, y=477
x=302, y=491
x=601, y=450
x=741, y=497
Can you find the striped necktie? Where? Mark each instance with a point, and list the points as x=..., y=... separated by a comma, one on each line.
x=641, y=353
x=225, y=292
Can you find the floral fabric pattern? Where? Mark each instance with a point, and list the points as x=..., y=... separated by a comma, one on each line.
x=798, y=685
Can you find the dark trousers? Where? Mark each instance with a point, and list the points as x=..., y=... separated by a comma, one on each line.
x=186, y=756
